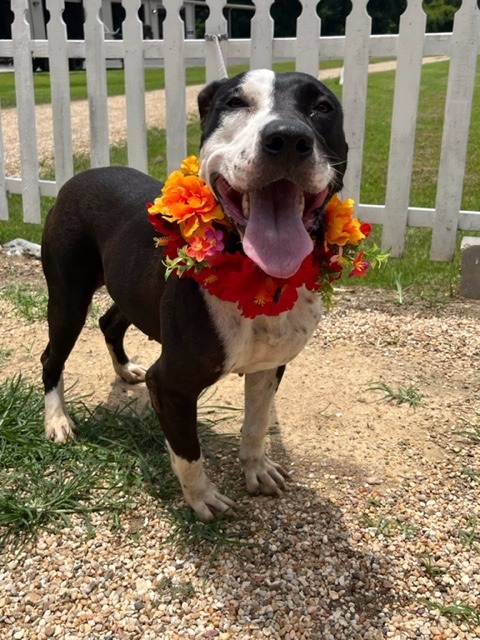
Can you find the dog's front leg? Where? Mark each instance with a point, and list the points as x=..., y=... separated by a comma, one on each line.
x=262, y=475
x=177, y=412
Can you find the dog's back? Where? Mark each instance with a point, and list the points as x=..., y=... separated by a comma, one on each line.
x=94, y=235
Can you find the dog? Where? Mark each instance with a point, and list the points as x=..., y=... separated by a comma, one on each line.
x=273, y=151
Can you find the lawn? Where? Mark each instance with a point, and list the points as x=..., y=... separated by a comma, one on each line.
x=414, y=274
x=154, y=79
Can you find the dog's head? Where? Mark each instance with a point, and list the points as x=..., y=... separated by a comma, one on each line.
x=273, y=151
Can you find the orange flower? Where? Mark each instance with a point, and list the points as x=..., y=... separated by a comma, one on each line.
x=187, y=200
x=341, y=227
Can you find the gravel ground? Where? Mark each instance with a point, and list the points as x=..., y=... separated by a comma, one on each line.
x=380, y=517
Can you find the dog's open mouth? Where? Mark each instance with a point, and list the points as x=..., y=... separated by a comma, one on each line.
x=274, y=223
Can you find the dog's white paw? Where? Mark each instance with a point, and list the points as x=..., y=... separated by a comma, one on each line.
x=201, y=494
x=262, y=475
x=209, y=503
x=59, y=428
x=58, y=424
x=131, y=372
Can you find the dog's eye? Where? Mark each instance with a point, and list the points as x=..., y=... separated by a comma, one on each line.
x=236, y=103
x=322, y=107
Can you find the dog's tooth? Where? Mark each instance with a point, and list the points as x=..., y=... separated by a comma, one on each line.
x=301, y=202
x=246, y=205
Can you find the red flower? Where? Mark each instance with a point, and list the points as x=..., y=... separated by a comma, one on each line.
x=360, y=266
x=236, y=278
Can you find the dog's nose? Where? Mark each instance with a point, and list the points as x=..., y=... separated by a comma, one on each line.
x=285, y=138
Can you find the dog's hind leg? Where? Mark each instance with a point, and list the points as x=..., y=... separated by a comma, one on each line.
x=262, y=475
x=66, y=317
x=114, y=325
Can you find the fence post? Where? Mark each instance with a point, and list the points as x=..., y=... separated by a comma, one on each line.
x=175, y=82
x=59, y=85
x=96, y=85
x=3, y=186
x=135, y=87
x=22, y=56
x=404, y=119
x=355, y=80
x=461, y=81
x=215, y=25
x=308, y=38
x=261, y=56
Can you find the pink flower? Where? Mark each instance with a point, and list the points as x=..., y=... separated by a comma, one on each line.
x=205, y=246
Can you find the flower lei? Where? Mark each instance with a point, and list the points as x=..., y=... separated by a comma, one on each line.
x=201, y=243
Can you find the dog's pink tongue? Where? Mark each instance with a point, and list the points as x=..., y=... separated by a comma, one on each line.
x=275, y=237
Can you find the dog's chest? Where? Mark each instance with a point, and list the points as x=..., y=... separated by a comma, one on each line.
x=264, y=342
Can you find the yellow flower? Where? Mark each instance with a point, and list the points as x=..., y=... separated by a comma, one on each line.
x=191, y=166
x=341, y=227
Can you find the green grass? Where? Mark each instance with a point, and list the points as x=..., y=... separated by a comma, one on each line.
x=28, y=303
x=388, y=527
x=4, y=356
x=470, y=535
x=154, y=79
x=431, y=568
x=401, y=395
x=471, y=428
x=118, y=459
x=460, y=610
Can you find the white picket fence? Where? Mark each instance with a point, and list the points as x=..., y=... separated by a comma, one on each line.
x=409, y=46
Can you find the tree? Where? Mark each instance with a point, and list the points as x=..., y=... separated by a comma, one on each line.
x=440, y=14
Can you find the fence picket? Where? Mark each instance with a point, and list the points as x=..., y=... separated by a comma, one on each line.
x=461, y=80
x=96, y=84
x=261, y=56
x=26, y=111
x=135, y=87
x=215, y=25
x=59, y=81
x=404, y=120
x=175, y=99
x=308, y=38
x=355, y=78
x=3, y=185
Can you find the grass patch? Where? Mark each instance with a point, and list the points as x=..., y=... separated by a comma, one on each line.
x=460, y=610
x=387, y=527
x=4, y=356
x=154, y=79
x=470, y=535
x=431, y=568
x=471, y=429
x=401, y=395
x=27, y=303
x=117, y=460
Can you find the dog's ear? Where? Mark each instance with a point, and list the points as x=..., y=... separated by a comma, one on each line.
x=205, y=99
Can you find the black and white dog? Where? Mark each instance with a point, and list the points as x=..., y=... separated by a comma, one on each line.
x=273, y=151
